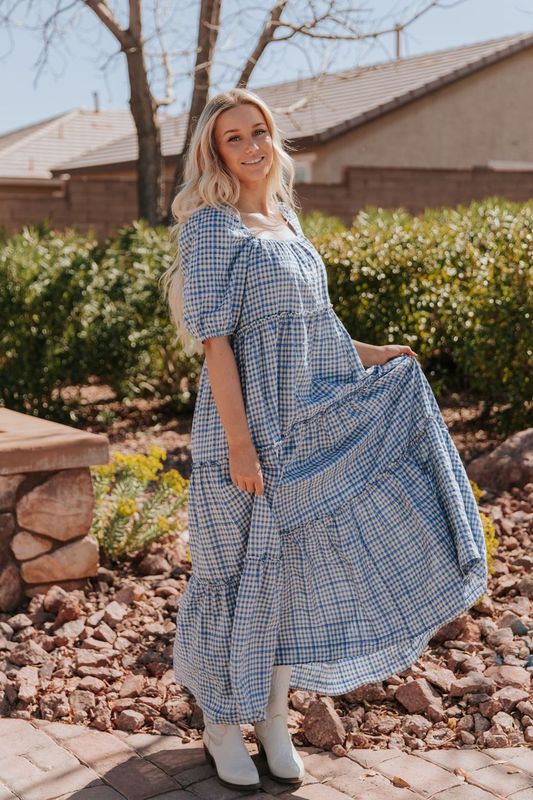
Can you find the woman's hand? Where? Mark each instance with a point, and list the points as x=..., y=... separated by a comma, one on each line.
x=385, y=352
x=245, y=468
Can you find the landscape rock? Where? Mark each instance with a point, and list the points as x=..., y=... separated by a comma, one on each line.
x=48, y=507
x=322, y=726
x=78, y=559
x=508, y=465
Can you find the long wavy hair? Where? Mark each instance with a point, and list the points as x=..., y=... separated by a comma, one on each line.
x=208, y=182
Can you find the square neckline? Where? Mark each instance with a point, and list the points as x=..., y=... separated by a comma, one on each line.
x=285, y=213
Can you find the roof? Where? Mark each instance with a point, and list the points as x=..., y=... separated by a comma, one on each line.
x=31, y=151
x=315, y=109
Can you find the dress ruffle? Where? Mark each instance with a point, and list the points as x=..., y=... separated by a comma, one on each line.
x=346, y=566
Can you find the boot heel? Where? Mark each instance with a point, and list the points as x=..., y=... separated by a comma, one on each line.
x=245, y=788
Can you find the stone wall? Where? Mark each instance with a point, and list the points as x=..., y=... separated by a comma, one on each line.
x=46, y=506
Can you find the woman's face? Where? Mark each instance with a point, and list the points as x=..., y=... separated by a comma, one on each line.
x=244, y=143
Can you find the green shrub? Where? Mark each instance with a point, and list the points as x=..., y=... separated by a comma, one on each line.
x=76, y=310
x=455, y=284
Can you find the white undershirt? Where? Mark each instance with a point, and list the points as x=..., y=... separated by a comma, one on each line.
x=255, y=222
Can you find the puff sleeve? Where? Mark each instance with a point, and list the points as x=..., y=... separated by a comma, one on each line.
x=213, y=273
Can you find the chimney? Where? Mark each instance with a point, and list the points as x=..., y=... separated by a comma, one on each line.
x=96, y=102
x=398, y=30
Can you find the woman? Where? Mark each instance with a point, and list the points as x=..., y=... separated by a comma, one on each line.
x=333, y=528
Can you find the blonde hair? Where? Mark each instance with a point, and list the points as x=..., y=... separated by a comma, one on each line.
x=208, y=182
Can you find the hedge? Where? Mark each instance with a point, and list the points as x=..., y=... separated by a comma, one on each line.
x=455, y=284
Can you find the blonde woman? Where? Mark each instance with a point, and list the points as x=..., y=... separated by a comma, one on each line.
x=333, y=529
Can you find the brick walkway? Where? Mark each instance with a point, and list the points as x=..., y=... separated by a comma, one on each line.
x=42, y=760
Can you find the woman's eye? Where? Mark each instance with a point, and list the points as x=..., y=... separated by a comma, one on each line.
x=259, y=130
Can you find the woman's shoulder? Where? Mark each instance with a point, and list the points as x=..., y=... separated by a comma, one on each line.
x=211, y=215
x=210, y=222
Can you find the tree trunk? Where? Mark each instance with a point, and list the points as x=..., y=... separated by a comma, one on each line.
x=150, y=164
x=209, y=22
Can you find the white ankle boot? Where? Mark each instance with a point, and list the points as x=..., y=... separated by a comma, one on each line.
x=225, y=750
x=273, y=736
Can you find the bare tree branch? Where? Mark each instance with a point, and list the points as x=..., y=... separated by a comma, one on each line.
x=169, y=97
x=105, y=15
x=265, y=37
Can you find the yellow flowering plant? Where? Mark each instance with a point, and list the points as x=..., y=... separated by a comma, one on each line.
x=135, y=501
x=491, y=540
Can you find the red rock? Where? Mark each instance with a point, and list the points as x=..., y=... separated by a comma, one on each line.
x=129, y=720
x=369, y=692
x=105, y=633
x=28, y=653
x=81, y=702
x=132, y=686
x=508, y=465
x=54, y=706
x=20, y=621
x=68, y=608
x=39, y=589
x=525, y=586
x=176, y=710
x=416, y=724
x=27, y=680
x=95, y=658
x=473, y=682
x=416, y=695
x=114, y=613
x=129, y=593
x=94, y=685
x=490, y=707
x=509, y=697
x=154, y=565
x=504, y=721
x=105, y=673
x=71, y=630
x=442, y=678
x=494, y=740
x=506, y=675
x=322, y=726
x=485, y=606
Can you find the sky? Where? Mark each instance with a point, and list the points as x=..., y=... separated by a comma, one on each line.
x=74, y=71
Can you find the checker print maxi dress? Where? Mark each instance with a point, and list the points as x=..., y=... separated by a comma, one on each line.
x=367, y=538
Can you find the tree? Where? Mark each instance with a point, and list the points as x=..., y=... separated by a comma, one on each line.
x=327, y=21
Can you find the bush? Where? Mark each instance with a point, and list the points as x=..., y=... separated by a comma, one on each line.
x=456, y=285
x=76, y=310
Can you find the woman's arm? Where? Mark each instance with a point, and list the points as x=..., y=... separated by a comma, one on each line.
x=371, y=354
x=227, y=393
x=367, y=352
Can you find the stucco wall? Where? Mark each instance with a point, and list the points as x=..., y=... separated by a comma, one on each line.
x=484, y=116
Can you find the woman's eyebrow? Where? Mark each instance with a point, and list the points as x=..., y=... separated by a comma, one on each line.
x=233, y=130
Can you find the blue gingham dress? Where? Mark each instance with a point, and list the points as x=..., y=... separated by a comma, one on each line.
x=367, y=538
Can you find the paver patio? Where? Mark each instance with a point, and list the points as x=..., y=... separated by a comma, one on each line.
x=41, y=760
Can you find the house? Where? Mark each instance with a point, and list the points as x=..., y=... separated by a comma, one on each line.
x=435, y=129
